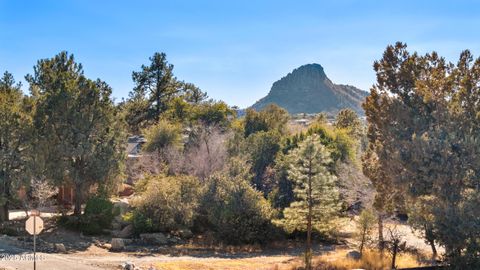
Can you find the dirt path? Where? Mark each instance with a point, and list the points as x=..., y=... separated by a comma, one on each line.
x=14, y=258
x=81, y=261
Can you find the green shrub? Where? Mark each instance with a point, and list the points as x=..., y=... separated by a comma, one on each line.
x=98, y=215
x=140, y=222
x=9, y=231
x=69, y=222
x=89, y=226
x=101, y=210
x=341, y=145
x=236, y=211
x=166, y=203
x=163, y=135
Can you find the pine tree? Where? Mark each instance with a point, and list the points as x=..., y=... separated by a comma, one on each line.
x=385, y=196
x=365, y=224
x=15, y=122
x=193, y=94
x=159, y=94
x=424, y=120
x=157, y=84
x=78, y=134
x=348, y=119
x=316, y=196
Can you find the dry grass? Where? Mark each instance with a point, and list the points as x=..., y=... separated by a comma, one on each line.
x=371, y=260
x=200, y=265
x=228, y=264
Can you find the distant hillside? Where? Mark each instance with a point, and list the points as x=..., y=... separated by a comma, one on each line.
x=308, y=90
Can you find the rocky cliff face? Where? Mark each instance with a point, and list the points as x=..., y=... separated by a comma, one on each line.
x=307, y=89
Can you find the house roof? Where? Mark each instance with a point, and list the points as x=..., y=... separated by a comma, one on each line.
x=134, y=146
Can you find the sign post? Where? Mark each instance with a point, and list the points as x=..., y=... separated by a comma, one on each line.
x=34, y=226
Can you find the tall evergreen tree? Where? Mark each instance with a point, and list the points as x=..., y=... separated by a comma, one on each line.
x=386, y=197
x=134, y=111
x=349, y=120
x=423, y=115
x=193, y=94
x=157, y=83
x=81, y=140
x=316, y=196
x=158, y=94
x=262, y=148
x=271, y=117
x=15, y=122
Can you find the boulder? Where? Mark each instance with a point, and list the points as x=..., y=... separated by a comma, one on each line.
x=128, y=266
x=60, y=248
x=185, y=233
x=116, y=226
x=117, y=244
x=154, y=238
x=126, y=190
x=126, y=232
x=354, y=255
x=173, y=240
x=119, y=219
x=115, y=233
x=122, y=206
x=101, y=244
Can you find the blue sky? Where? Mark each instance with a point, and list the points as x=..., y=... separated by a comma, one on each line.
x=234, y=50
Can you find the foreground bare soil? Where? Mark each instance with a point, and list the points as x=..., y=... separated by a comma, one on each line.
x=89, y=253
x=96, y=258
x=99, y=258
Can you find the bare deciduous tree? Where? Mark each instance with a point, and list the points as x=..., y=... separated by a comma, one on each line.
x=208, y=154
x=395, y=243
x=147, y=164
x=355, y=189
x=204, y=154
x=41, y=193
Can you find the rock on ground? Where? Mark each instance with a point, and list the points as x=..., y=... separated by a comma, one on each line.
x=154, y=238
x=117, y=244
x=60, y=248
x=185, y=233
x=128, y=266
x=355, y=255
x=126, y=232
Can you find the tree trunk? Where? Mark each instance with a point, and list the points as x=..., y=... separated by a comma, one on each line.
x=6, y=193
x=431, y=240
x=4, y=212
x=158, y=96
x=308, y=251
x=157, y=117
x=381, y=242
x=448, y=251
x=363, y=242
x=394, y=254
x=209, y=159
x=78, y=200
x=434, y=249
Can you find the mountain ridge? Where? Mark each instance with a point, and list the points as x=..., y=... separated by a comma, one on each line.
x=307, y=89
